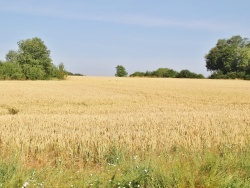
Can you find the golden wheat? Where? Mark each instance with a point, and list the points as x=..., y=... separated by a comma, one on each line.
x=82, y=117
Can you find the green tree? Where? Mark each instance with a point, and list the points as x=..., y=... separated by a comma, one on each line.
x=166, y=73
x=11, y=56
x=229, y=56
x=33, y=59
x=121, y=71
x=61, y=73
x=34, y=52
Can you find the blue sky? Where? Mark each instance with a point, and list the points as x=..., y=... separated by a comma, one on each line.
x=92, y=37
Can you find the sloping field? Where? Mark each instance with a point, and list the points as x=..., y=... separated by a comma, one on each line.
x=80, y=119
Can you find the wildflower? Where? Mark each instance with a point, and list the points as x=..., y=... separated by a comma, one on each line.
x=25, y=184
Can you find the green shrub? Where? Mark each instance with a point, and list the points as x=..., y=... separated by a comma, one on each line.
x=137, y=74
x=188, y=74
x=61, y=72
x=247, y=77
x=229, y=75
x=10, y=71
x=34, y=72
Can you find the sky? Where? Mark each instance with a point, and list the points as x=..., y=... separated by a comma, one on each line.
x=92, y=37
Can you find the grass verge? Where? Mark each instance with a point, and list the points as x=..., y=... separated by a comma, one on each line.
x=179, y=168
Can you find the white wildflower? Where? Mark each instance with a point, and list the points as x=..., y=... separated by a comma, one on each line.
x=25, y=184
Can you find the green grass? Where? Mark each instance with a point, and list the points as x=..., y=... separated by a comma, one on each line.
x=220, y=168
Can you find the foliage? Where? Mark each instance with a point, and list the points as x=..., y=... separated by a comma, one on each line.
x=230, y=75
x=34, y=52
x=12, y=56
x=121, y=71
x=31, y=61
x=187, y=74
x=11, y=71
x=171, y=169
x=137, y=74
x=230, y=58
x=35, y=72
x=74, y=74
x=167, y=73
x=62, y=73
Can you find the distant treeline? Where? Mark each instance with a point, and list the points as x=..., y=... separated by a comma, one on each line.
x=168, y=73
x=73, y=74
x=229, y=59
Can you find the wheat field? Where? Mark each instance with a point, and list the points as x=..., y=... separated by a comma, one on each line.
x=80, y=118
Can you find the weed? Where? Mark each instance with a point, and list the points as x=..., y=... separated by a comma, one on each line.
x=13, y=111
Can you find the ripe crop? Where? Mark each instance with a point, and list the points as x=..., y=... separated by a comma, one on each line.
x=81, y=119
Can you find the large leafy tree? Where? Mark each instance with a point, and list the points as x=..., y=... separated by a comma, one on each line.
x=229, y=56
x=33, y=57
x=121, y=71
x=35, y=53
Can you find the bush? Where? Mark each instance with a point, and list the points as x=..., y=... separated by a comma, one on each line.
x=217, y=75
x=34, y=72
x=10, y=71
x=137, y=74
x=61, y=72
x=149, y=73
x=165, y=73
x=187, y=74
x=247, y=77
x=230, y=75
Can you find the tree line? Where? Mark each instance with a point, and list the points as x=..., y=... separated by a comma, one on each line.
x=30, y=62
x=167, y=73
x=159, y=73
x=229, y=59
